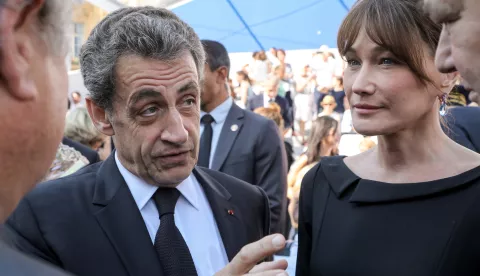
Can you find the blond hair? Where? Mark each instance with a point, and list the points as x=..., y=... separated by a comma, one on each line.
x=79, y=127
x=272, y=112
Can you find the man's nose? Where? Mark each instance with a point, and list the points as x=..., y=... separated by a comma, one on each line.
x=443, y=57
x=175, y=131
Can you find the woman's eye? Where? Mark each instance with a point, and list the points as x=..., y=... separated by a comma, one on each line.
x=149, y=111
x=387, y=61
x=352, y=62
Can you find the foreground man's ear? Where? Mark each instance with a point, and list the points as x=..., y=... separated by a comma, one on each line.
x=18, y=38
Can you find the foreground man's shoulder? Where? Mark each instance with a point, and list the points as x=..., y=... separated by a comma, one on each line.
x=77, y=184
x=14, y=263
x=88, y=173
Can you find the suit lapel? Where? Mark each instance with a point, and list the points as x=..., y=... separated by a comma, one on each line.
x=229, y=218
x=122, y=222
x=232, y=126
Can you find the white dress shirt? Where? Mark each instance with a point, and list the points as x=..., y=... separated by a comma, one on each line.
x=193, y=218
x=266, y=100
x=219, y=114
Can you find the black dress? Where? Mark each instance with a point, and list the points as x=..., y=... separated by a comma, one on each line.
x=353, y=226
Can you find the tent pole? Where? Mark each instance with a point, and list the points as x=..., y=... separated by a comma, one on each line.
x=342, y=2
x=246, y=25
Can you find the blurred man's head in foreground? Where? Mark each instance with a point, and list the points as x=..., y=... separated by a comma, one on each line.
x=459, y=45
x=33, y=92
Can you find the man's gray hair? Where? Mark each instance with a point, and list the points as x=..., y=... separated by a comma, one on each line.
x=144, y=31
x=54, y=17
x=55, y=21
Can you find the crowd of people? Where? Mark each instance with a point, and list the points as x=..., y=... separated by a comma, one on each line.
x=368, y=165
x=314, y=91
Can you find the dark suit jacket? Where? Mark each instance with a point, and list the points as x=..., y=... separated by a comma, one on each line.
x=463, y=126
x=89, y=153
x=88, y=223
x=255, y=154
x=258, y=101
x=14, y=263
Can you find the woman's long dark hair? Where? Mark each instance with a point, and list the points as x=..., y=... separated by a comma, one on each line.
x=320, y=129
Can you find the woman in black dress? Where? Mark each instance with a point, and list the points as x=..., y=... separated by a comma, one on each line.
x=411, y=205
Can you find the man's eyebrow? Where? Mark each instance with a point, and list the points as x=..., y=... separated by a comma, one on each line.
x=144, y=94
x=189, y=86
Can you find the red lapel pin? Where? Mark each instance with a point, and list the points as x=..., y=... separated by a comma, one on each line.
x=231, y=213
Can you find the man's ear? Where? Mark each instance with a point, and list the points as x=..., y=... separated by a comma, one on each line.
x=19, y=40
x=100, y=118
x=222, y=76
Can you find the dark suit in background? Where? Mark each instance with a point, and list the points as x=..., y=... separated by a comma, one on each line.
x=463, y=126
x=255, y=154
x=258, y=101
x=89, y=224
x=289, y=151
x=89, y=153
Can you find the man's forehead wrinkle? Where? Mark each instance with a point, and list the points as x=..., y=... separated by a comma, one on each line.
x=160, y=72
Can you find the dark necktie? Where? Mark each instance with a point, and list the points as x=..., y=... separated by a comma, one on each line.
x=206, y=141
x=271, y=100
x=171, y=248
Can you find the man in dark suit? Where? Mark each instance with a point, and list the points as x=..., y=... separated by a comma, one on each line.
x=146, y=210
x=32, y=104
x=270, y=95
x=239, y=142
x=463, y=126
x=90, y=154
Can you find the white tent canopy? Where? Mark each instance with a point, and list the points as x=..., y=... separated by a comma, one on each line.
x=112, y=5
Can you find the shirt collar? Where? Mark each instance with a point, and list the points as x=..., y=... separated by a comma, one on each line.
x=220, y=113
x=266, y=97
x=142, y=192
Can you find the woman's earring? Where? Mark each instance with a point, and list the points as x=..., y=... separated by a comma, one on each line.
x=443, y=104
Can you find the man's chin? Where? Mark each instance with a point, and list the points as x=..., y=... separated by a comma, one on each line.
x=172, y=177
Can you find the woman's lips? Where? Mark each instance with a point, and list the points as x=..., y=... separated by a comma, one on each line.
x=366, y=109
